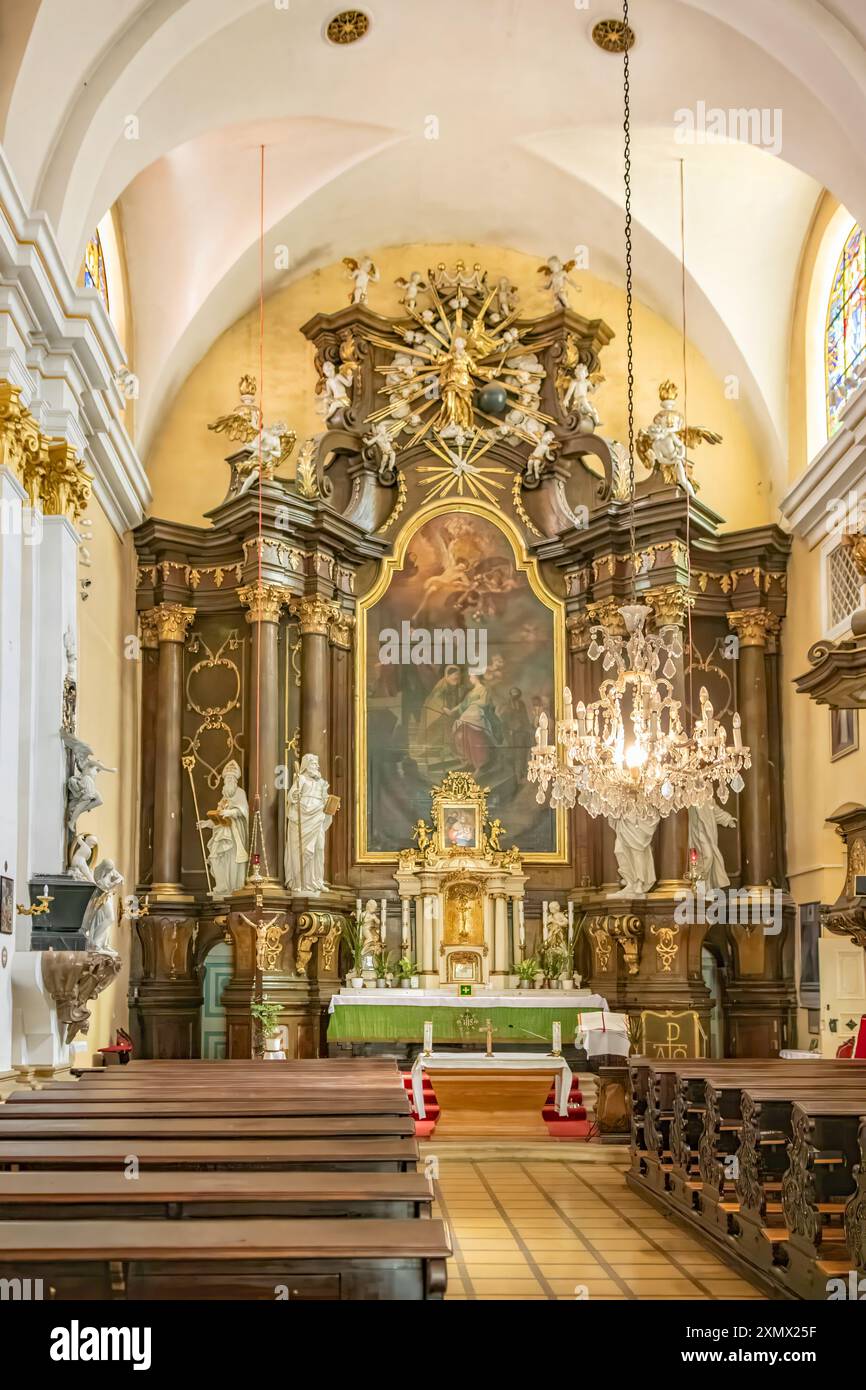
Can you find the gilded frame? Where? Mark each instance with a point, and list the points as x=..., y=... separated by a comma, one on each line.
x=526, y=565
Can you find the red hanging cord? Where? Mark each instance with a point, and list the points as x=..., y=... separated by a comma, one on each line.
x=257, y=781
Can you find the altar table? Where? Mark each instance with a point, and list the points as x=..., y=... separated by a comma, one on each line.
x=492, y=1096
x=398, y=1015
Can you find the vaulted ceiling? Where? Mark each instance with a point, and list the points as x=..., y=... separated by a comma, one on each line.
x=528, y=151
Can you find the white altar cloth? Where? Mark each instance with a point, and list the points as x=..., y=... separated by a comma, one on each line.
x=603, y=1034
x=504, y=1061
x=515, y=999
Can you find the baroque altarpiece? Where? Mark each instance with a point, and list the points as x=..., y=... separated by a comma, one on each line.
x=409, y=604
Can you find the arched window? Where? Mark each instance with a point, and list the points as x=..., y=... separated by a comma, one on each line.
x=845, y=339
x=93, y=270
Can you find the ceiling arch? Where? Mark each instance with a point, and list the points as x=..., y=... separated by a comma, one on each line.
x=527, y=152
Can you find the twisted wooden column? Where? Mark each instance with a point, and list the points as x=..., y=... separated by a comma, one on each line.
x=752, y=626
x=171, y=623
x=263, y=603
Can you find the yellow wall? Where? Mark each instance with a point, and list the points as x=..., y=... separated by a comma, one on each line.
x=107, y=685
x=185, y=463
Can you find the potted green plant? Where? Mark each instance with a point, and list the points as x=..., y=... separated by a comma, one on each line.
x=351, y=936
x=526, y=972
x=384, y=970
x=552, y=965
x=406, y=969
x=267, y=1012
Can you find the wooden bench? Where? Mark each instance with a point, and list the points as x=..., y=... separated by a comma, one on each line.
x=229, y=1259
x=317, y=1155
x=179, y=1195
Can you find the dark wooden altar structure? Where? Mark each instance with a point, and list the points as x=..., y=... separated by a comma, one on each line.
x=223, y=647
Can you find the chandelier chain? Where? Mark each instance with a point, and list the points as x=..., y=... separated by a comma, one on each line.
x=629, y=306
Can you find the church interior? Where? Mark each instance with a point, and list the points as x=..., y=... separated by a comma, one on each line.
x=432, y=645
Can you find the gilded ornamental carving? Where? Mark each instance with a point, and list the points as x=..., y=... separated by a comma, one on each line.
x=263, y=602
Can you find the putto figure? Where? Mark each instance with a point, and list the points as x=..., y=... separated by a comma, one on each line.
x=333, y=391
x=363, y=273
x=558, y=281
x=662, y=446
x=309, y=813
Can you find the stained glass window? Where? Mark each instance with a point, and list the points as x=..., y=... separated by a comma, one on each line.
x=845, y=341
x=94, y=268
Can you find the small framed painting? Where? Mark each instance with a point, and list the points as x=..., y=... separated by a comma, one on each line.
x=844, y=732
x=461, y=827
x=7, y=906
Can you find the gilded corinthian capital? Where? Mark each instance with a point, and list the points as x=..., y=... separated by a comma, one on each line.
x=170, y=621
x=669, y=604
x=754, y=626
x=19, y=433
x=315, y=613
x=263, y=602
x=606, y=612
x=578, y=625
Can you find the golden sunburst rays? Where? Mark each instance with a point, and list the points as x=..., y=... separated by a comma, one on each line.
x=459, y=473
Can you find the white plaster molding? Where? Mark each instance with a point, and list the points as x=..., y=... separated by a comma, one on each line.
x=836, y=472
x=58, y=344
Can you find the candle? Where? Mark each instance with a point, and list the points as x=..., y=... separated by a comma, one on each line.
x=428, y=1038
x=544, y=920
x=556, y=1029
x=383, y=920
x=358, y=908
x=521, y=927
x=570, y=920
x=404, y=926
x=542, y=730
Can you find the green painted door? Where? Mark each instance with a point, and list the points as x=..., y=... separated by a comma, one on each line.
x=217, y=973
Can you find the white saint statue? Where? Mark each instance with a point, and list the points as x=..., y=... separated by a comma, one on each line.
x=307, y=821
x=704, y=822
x=228, y=850
x=557, y=928
x=371, y=930
x=101, y=915
x=633, y=848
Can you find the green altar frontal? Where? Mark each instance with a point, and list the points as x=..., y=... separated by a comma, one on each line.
x=405, y=1023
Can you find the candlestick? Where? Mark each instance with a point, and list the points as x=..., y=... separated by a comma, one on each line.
x=383, y=920
x=556, y=1049
x=428, y=1038
x=489, y=1031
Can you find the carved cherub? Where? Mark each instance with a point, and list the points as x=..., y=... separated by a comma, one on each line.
x=543, y=451
x=411, y=288
x=504, y=300
x=333, y=390
x=363, y=273
x=558, y=280
x=421, y=835
x=662, y=446
x=495, y=831
x=380, y=440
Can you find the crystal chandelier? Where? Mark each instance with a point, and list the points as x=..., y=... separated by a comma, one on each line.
x=626, y=755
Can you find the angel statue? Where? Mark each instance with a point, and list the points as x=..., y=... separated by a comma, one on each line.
x=80, y=856
x=364, y=273
x=662, y=446
x=558, y=280
x=81, y=792
x=333, y=391
x=275, y=448
x=495, y=831
x=371, y=930
x=411, y=289
x=556, y=929
x=100, y=916
x=542, y=452
x=578, y=387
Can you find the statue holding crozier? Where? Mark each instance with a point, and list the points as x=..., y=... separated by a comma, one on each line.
x=310, y=808
x=228, y=851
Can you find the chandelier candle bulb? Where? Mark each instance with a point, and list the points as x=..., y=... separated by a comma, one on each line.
x=568, y=716
x=738, y=739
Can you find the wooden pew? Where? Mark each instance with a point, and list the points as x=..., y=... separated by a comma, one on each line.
x=386, y=1155
x=181, y=1195
x=229, y=1259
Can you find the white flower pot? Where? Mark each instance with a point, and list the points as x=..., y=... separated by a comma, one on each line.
x=406, y=983
x=357, y=982
x=566, y=982
x=415, y=983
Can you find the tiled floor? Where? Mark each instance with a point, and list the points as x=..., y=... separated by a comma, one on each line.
x=536, y=1229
